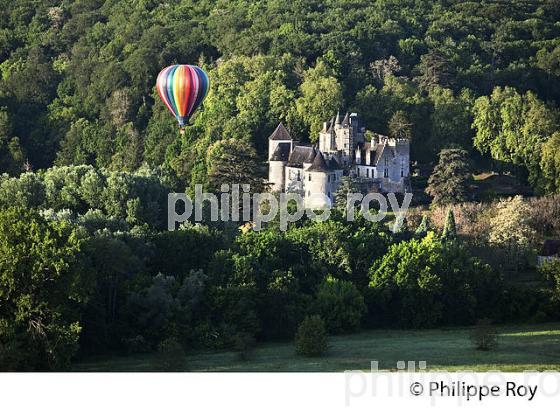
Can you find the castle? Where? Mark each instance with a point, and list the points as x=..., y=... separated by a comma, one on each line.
x=378, y=165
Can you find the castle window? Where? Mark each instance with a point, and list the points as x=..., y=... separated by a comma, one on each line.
x=367, y=172
x=358, y=171
x=386, y=172
x=309, y=178
x=308, y=193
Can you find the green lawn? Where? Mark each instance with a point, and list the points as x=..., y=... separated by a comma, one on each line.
x=522, y=347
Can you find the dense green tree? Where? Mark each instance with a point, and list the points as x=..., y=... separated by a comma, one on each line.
x=40, y=287
x=422, y=282
x=423, y=228
x=321, y=97
x=450, y=228
x=512, y=127
x=232, y=161
x=550, y=163
x=341, y=305
x=449, y=182
x=347, y=186
x=400, y=126
x=11, y=154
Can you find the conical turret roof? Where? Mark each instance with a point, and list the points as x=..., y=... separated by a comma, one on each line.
x=319, y=164
x=280, y=134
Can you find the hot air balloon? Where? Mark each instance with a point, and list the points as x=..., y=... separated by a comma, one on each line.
x=182, y=89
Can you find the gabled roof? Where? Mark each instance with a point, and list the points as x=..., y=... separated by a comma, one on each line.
x=299, y=155
x=319, y=164
x=282, y=152
x=280, y=134
x=379, y=152
x=311, y=156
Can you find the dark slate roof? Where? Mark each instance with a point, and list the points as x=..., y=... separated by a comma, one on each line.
x=299, y=155
x=311, y=156
x=280, y=134
x=337, y=120
x=346, y=120
x=331, y=124
x=333, y=164
x=551, y=247
x=319, y=164
x=282, y=152
x=379, y=152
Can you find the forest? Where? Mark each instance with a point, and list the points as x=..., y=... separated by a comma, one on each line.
x=88, y=155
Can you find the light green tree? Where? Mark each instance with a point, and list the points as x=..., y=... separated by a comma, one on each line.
x=321, y=97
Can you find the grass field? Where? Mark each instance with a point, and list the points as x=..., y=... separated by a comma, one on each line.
x=523, y=347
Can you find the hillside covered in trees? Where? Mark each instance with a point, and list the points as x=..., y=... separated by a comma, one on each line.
x=77, y=78
x=88, y=156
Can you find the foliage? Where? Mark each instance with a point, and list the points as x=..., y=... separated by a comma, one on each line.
x=550, y=163
x=423, y=228
x=347, y=186
x=311, y=337
x=550, y=270
x=449, y=182
x=233, y=162
x=171, y=356
x=244, y=345
x=424, y=282
x=40, y=286
x=484, y=336
x=399, y=126
x=341, y=305
x=513, y=127
x=450, y=229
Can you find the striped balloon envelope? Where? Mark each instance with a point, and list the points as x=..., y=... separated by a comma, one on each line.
x=182, y=88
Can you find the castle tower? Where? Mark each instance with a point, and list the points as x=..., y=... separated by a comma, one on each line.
x=317, y=181
x=279, y=147
x=327, y=142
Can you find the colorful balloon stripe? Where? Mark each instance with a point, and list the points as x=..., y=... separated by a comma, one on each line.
x=182, y=88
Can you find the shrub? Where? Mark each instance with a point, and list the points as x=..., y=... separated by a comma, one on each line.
x=171, y=355
x=428, y=282
x=311, y=337
x=244, y=344
x=341, y=305
x=484, y=335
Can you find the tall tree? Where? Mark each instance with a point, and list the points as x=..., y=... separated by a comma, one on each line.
x=550, y=163
x=39, y=288
x=450, y=228
x=400, y=126
x=321, y=98
x=450, y=179
x=512, y=127
x=233, y=161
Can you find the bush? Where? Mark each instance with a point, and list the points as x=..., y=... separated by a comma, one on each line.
x=311, y=337
x=341, y=305
x=484, y=335
x=171, y=355
x=244, y=344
